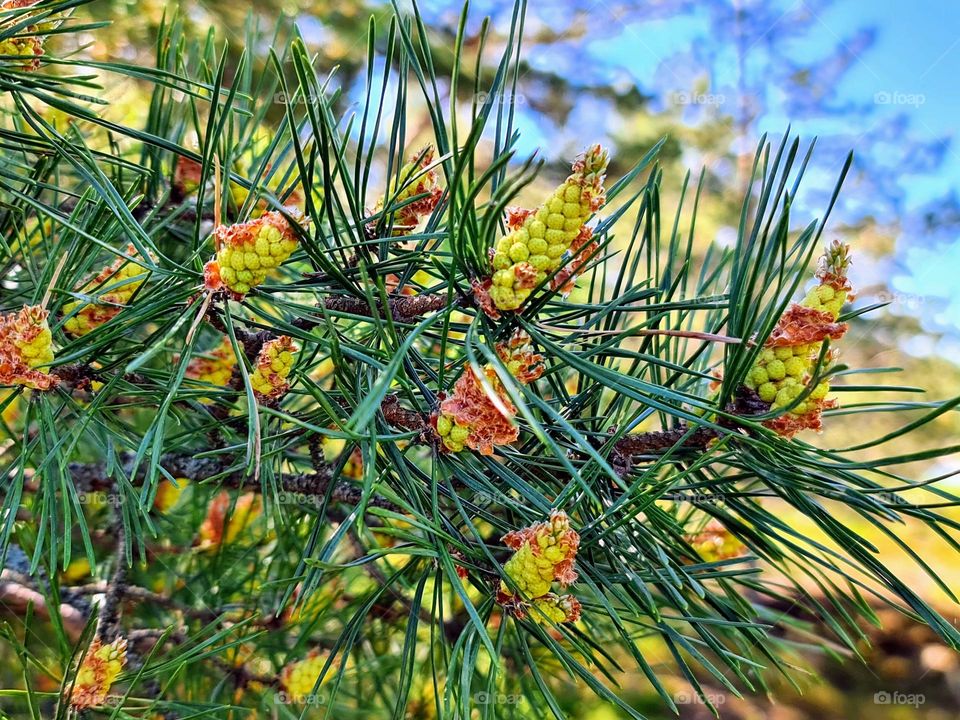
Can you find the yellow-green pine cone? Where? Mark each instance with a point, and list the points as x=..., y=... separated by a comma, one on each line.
x=273, y=366
x=545, y=609
x=783, y=369
x=414, y=179
x=444, y=425
x=555, y=608
x=795, y=367
x=757, y=377
x=787, y=394
x=544, y=551
x=834, y=288
x=298, y=678
x=716, y=543
x=27, y=45
x=452, y=433
x=403, y=188
x=114, y=286
x=187, y=174
x=767, y=392
x=246, y=252
x=820, y=391
x=520, y=358
x=214, y=367
x=35, y=342
x=780, y=373
x=26, y=349
x=528, y=254
x=826, y=298
x=26, y=50
x=101, y=666
x=778, y=381
x=532, y=574
x=556, y=540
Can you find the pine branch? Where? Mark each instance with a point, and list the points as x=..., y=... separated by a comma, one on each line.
x=402, y=308
x=18, y=596
x=399, y=416
x=91, y=477
x=627, y=449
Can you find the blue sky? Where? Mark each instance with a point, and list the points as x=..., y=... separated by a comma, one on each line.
x=894, y=101
x=916, y=53
x=910, y=69
x=885, y=85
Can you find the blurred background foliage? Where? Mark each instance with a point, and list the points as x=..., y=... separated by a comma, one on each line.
x=711, y=102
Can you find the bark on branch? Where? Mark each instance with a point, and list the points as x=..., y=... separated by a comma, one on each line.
x=91, y=477
x=403, y=308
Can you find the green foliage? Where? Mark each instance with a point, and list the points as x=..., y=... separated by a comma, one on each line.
x=356, y=553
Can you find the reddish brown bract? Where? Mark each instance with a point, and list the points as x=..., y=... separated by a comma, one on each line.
x=800, y=325
x=471, y=405
x=26, y=348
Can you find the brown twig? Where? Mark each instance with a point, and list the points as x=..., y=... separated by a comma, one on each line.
x=16, y=595
x=656, y=442
x=93, y=477
x=403, y=308
x=139, y=594
x=108, y=620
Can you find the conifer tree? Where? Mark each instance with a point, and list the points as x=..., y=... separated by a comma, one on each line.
x=302, y=419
